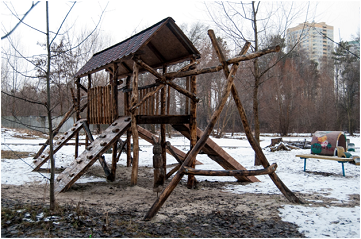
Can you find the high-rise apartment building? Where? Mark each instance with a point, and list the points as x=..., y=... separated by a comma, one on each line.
x=315, y=38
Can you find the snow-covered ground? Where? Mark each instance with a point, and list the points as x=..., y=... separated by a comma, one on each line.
x=314, y=221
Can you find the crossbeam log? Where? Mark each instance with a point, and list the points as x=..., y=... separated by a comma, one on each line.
x=164, y=80
x=220, y=67
x=268, y=170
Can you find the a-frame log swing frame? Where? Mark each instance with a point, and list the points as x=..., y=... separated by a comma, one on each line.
x=188, y=164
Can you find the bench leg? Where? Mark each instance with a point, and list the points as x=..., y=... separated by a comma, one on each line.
x=343, y=168
x=304, y=164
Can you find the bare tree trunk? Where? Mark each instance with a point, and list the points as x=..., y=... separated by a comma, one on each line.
x=256, y=83
x=48, y=106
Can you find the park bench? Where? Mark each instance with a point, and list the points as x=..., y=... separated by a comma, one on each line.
x=335, y=158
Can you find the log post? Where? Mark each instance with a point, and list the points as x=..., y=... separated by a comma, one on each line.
x=187, y=99
x=126, y=112
x=168, y=109
x=77, y=115
x=134, y=177
x=195, y=150
x=113, y=171
x=114, y=94
x=87, y=113
x=162, y=126
x=159, y=173
x=193, y=126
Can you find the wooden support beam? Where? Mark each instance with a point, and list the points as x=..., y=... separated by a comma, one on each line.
x=114, y=93
x=127, y=112
x=164, y=81
x=126, y=67
x=77, y=116
x=87, y=113
x=121, y=148
x=213, y=69
x=134, y=176
x=171, y=172
x=83, y=87
x=170, y=149
x=258, y=150
x=156, y=52
x=186, y=110
x=195, y=150
x=113, y=171
x=162, y=126
x=163, y=119
x=191, y=171
x=253, y=55
x=250, y=56
x=125, y=89
x=193, y=126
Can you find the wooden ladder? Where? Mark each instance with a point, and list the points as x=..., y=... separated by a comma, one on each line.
x=93, y=152
x=62, y=140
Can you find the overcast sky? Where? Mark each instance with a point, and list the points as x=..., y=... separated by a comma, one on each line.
x=124, y=18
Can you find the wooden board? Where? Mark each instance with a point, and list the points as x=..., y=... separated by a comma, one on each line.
x=62, y=140
x=95, y=150
x=216, y=153
x=146, y=135
x=335, y=158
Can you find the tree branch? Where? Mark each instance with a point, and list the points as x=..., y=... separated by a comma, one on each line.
x=20, y=20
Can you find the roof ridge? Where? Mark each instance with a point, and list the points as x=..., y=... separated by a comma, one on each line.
x=141, y=32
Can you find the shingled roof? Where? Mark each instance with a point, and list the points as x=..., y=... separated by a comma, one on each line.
x=164, y=43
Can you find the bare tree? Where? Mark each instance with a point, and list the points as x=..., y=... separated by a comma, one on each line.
x=44, y=71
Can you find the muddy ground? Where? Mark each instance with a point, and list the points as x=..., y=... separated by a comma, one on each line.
x=116, y=209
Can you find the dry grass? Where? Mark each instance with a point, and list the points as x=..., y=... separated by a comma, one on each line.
x=31, y=133
x=7, y=154
x=28, y=134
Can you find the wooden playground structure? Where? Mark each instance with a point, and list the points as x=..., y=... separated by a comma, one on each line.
x=153, y=50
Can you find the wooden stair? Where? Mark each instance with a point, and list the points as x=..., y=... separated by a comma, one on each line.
x=216, y=153
x=94, y=151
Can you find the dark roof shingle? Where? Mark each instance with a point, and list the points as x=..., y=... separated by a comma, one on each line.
x=130, y=46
